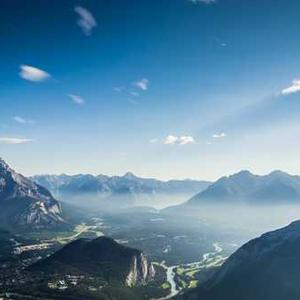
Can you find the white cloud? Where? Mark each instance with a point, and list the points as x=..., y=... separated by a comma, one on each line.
x=21, y=120
x=179, y=140
x=171, y=140
x=14, y=141
x=294, y=88
x=86, y=20
x=142, y=84
x=77, y=99
x=33, y=74
x=219, y=135
x=184, y=140
x=203, y=1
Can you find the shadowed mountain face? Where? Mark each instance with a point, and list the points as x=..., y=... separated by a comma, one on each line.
x=129, y=189
x=244, y=187
x=23, y=202
x=266, y=268
x=101, y=257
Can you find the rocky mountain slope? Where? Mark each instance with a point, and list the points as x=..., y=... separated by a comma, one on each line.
x=244, y=187
x=101, y=257
x=24, y=202
x=266, y=268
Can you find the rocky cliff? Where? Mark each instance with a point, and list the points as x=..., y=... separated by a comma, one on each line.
x=141, y=271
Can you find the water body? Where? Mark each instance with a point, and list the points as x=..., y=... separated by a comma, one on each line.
x=171, y=279
x=174, y=289
x=209, y=259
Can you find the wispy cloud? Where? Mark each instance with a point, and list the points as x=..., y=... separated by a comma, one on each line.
x=14, y=141
x=134, y=90
x=142, y=84
x=77, y=99
x=203, y=1
x=21, y=120
x=134, y=94
x=33, y=74
x=86, y=20
x=219, y=135
x=119, y=89
x=153, y=141
x=179, y=140
x=294, y=88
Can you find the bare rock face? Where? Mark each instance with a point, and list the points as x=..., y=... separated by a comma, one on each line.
x=141, y=271
x=24, y=202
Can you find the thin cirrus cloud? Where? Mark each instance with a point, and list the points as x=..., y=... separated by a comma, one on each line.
x=142, y=84
x=22, y=121
x=294, y=88
x=135, y=90
x=34, y=74
x=153, y=141
x=219, y=135
x=203, y=1
x=179, y=140
x=76, y=99
x=14, y=141
x=134, y=94
x=86, y=20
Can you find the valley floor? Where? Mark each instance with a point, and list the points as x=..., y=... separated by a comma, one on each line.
x=184, y=251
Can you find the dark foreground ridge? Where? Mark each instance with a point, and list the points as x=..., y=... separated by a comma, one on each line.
x=102, y=257
x=266, y=268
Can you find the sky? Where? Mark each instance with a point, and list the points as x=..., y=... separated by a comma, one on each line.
x=162, y=88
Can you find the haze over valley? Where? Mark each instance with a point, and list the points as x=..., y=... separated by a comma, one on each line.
x=149, y=150
x=183, y=245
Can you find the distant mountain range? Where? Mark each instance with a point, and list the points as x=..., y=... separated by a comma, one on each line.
x=127, y=190
x=102, y=257
x=25, y=203
x=244, y=187
x=266, y=268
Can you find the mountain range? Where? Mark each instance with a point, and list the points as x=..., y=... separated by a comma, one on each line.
x=266, y=268
x=245, y=187
x=127, y=190
x=25, y=203
x=102, y=257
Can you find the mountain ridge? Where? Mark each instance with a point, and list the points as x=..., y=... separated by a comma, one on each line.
x=265, y=268
x=245, y=187
x=24, y=202
x=130, y=188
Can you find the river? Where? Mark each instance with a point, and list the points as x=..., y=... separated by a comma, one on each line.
x=209, y=259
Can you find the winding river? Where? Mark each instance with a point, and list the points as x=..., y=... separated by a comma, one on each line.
x=209, y=259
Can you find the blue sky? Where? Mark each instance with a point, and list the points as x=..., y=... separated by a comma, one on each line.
x=162, y=88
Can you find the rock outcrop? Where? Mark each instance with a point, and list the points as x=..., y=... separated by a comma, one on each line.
x=141, y=271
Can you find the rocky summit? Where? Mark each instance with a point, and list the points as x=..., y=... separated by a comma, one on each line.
x=25, y=203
